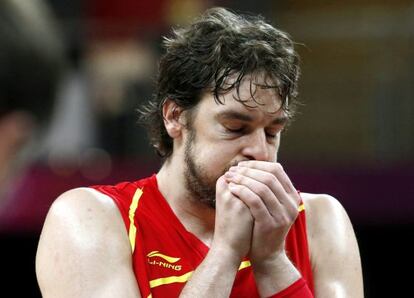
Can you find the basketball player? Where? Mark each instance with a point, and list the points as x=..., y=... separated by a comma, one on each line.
x=221, y=217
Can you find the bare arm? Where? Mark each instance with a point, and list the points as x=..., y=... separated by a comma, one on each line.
x=84, y=250
x=214, y=277
x=333, y=247
x=273, y=202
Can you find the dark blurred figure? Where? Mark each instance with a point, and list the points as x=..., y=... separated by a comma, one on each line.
x=31, y=61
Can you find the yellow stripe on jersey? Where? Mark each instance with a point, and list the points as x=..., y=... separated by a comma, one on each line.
x=183, y=278
x=244, y=264
x=301, y=207
x=169, y=280
x=132, y=208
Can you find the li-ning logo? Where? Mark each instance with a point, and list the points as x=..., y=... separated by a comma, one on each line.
x=170, y=260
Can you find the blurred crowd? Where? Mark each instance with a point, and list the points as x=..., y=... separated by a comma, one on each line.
x=71, y=79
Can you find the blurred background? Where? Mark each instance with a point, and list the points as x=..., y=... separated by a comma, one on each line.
x=72, y=74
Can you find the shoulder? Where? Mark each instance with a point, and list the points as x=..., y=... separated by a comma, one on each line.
x=83, y=229
x=82, y=206
x=326, y=220
x=79, y=212
x=82, y=215
x=329, y=229
x=321, y=208
x=333, y=247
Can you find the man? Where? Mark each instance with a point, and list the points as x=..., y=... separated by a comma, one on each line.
x=221, y=218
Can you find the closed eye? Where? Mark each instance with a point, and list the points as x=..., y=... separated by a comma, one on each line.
x=273, y=133
x=243, y=129
x=235, y=130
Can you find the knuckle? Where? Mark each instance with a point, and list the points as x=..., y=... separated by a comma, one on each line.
x=268, y=178
x=285, y=220
x=293, y=214
x=242, y=170
x=278, y=167
x=282, y=221
x=255, y=203
x=262, y=190
x=239, y=178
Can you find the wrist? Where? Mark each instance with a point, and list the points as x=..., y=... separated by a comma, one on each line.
x=226, y=253
x=274, y=274
x=277, y=262
x=215, y=275
x=299, y=289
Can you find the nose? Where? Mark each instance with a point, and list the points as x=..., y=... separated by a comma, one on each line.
x=256, y=146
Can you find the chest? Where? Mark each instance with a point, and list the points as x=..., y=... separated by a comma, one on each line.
x=166, y=258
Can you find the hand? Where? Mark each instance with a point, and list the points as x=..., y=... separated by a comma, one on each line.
x=234, y=223
x=273, y=202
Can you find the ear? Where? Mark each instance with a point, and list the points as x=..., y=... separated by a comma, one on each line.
x=171, y=113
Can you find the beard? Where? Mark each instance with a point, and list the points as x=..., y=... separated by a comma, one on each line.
x=200, y=184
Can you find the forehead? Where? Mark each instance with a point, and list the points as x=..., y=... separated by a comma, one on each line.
x=256, y=94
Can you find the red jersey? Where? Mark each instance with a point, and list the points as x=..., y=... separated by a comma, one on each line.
x=165, y=254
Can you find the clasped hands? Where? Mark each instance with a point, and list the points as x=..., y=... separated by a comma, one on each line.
x=256, y=204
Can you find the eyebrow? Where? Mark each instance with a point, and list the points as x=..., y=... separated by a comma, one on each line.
x=281, y=120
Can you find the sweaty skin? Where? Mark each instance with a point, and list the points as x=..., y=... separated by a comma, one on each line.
x=234, y=148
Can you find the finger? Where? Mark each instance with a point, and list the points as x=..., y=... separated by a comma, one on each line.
x=289, y=200
x=226, y=199
x=252, y=201
x=271, y=167
x=266, y=195
x=264, y=177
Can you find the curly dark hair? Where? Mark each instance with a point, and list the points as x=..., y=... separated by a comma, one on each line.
x=204, y=55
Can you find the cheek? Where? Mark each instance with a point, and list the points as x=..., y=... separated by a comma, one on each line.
x=216, y=158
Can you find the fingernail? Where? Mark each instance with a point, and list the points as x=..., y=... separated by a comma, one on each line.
x=233, y=169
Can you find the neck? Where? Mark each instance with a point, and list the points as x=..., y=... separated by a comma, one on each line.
x=196, y=217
